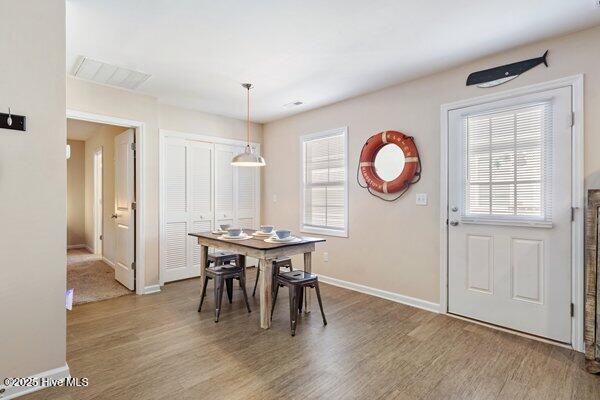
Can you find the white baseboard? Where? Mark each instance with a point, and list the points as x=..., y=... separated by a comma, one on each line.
x=76, y=246
x=12, y=392
x=398, y=298
x=88, y=248
x=152, y=289
x=107, y=261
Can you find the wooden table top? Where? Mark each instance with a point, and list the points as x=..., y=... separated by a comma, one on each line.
x=256, y=243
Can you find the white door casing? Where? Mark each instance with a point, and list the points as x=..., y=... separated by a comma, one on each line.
x=513, y=274
x=124, y=212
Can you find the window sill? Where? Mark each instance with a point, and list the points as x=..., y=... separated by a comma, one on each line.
x=323, y=231
x=505, y=222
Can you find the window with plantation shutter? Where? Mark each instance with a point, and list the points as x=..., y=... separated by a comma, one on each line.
x=507, y=161
x=324, y=183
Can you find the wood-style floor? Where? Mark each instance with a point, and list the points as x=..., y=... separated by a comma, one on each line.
x=158, y=347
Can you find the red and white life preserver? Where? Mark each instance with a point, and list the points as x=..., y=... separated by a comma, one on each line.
x=367, y=161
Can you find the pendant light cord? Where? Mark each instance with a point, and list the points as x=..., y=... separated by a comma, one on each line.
x=248, y=116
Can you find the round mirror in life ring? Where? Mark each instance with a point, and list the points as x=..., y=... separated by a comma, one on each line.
x=368, y=155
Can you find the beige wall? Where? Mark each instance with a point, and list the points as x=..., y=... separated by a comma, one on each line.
x=102, y=138
x=97, y=99
x=33, y=184
x=395, y=246
x=76, y=194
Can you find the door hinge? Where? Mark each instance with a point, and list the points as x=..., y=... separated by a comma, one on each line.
x=134, y=206
x=133, y=147
x=573, y=213
x=572, y=119
x=133, y=266
x=572, y=310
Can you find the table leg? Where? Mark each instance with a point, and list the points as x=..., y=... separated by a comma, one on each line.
x=203, y=260
x=307, y=292
x=266, y=284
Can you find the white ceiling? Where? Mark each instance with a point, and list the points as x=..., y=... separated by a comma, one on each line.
x=314, y=51
x=83, y=130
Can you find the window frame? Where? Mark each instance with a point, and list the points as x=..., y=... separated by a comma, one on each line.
x=304, y=227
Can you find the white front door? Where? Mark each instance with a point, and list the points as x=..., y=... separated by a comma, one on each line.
x=509, y=232
x=124, y=215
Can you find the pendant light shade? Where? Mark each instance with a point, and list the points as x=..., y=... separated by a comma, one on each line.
x=248, y=158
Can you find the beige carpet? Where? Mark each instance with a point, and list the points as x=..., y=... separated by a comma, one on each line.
x=92, y=280
x=75, y=256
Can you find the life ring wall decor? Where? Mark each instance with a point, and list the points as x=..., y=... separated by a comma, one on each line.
x=411, y=173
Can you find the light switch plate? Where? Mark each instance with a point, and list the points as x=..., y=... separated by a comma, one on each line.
x=274, y=198
x=421, y=199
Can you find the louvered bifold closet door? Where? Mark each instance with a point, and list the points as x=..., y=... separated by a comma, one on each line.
x=200, y=178
x=245, y=195
x=224, y=185
x=175, y=229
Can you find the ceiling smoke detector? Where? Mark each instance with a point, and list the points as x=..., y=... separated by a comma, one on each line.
x=108, y=74
x=293, y=104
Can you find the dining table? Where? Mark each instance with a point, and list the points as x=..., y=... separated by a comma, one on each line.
x=266, y=252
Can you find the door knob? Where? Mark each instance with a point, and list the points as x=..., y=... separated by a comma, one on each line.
x=114, y=216
x=453, y=223
x=455, y=209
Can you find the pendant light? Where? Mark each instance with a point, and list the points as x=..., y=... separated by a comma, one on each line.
x=248, y=158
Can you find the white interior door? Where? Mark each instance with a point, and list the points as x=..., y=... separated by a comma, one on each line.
x=201, y=195
x=245, y=195
x=200, y=190
x=124, y=212
x=509, y=213
x=224, y=185
x=174, y=243
x=98, y=202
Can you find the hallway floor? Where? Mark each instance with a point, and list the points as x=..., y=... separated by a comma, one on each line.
x=92, y=279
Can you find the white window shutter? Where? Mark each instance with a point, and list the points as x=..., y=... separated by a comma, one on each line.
x=508, y=164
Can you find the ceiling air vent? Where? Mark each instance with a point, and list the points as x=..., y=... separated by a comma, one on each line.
x=107, y=74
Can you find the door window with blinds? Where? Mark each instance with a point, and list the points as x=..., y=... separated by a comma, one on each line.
x=507, y=165
x=324, y=189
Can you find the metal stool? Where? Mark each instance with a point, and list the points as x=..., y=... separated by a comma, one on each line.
x=221, y=274
x=296, y=281
x=220, y=257
x=283, y=262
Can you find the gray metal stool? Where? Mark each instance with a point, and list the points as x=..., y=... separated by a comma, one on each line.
x=283, y=262
x=220, y=257
x=222, y=274
x=297, y=281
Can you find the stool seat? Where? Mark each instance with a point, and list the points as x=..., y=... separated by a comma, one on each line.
x=298, y=276
x=223, y=270
x=221, y=257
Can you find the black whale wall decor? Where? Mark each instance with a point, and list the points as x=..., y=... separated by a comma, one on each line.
x=499, y=75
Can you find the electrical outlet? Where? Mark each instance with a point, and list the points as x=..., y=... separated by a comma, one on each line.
x=421, y=199
x=325, y=257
